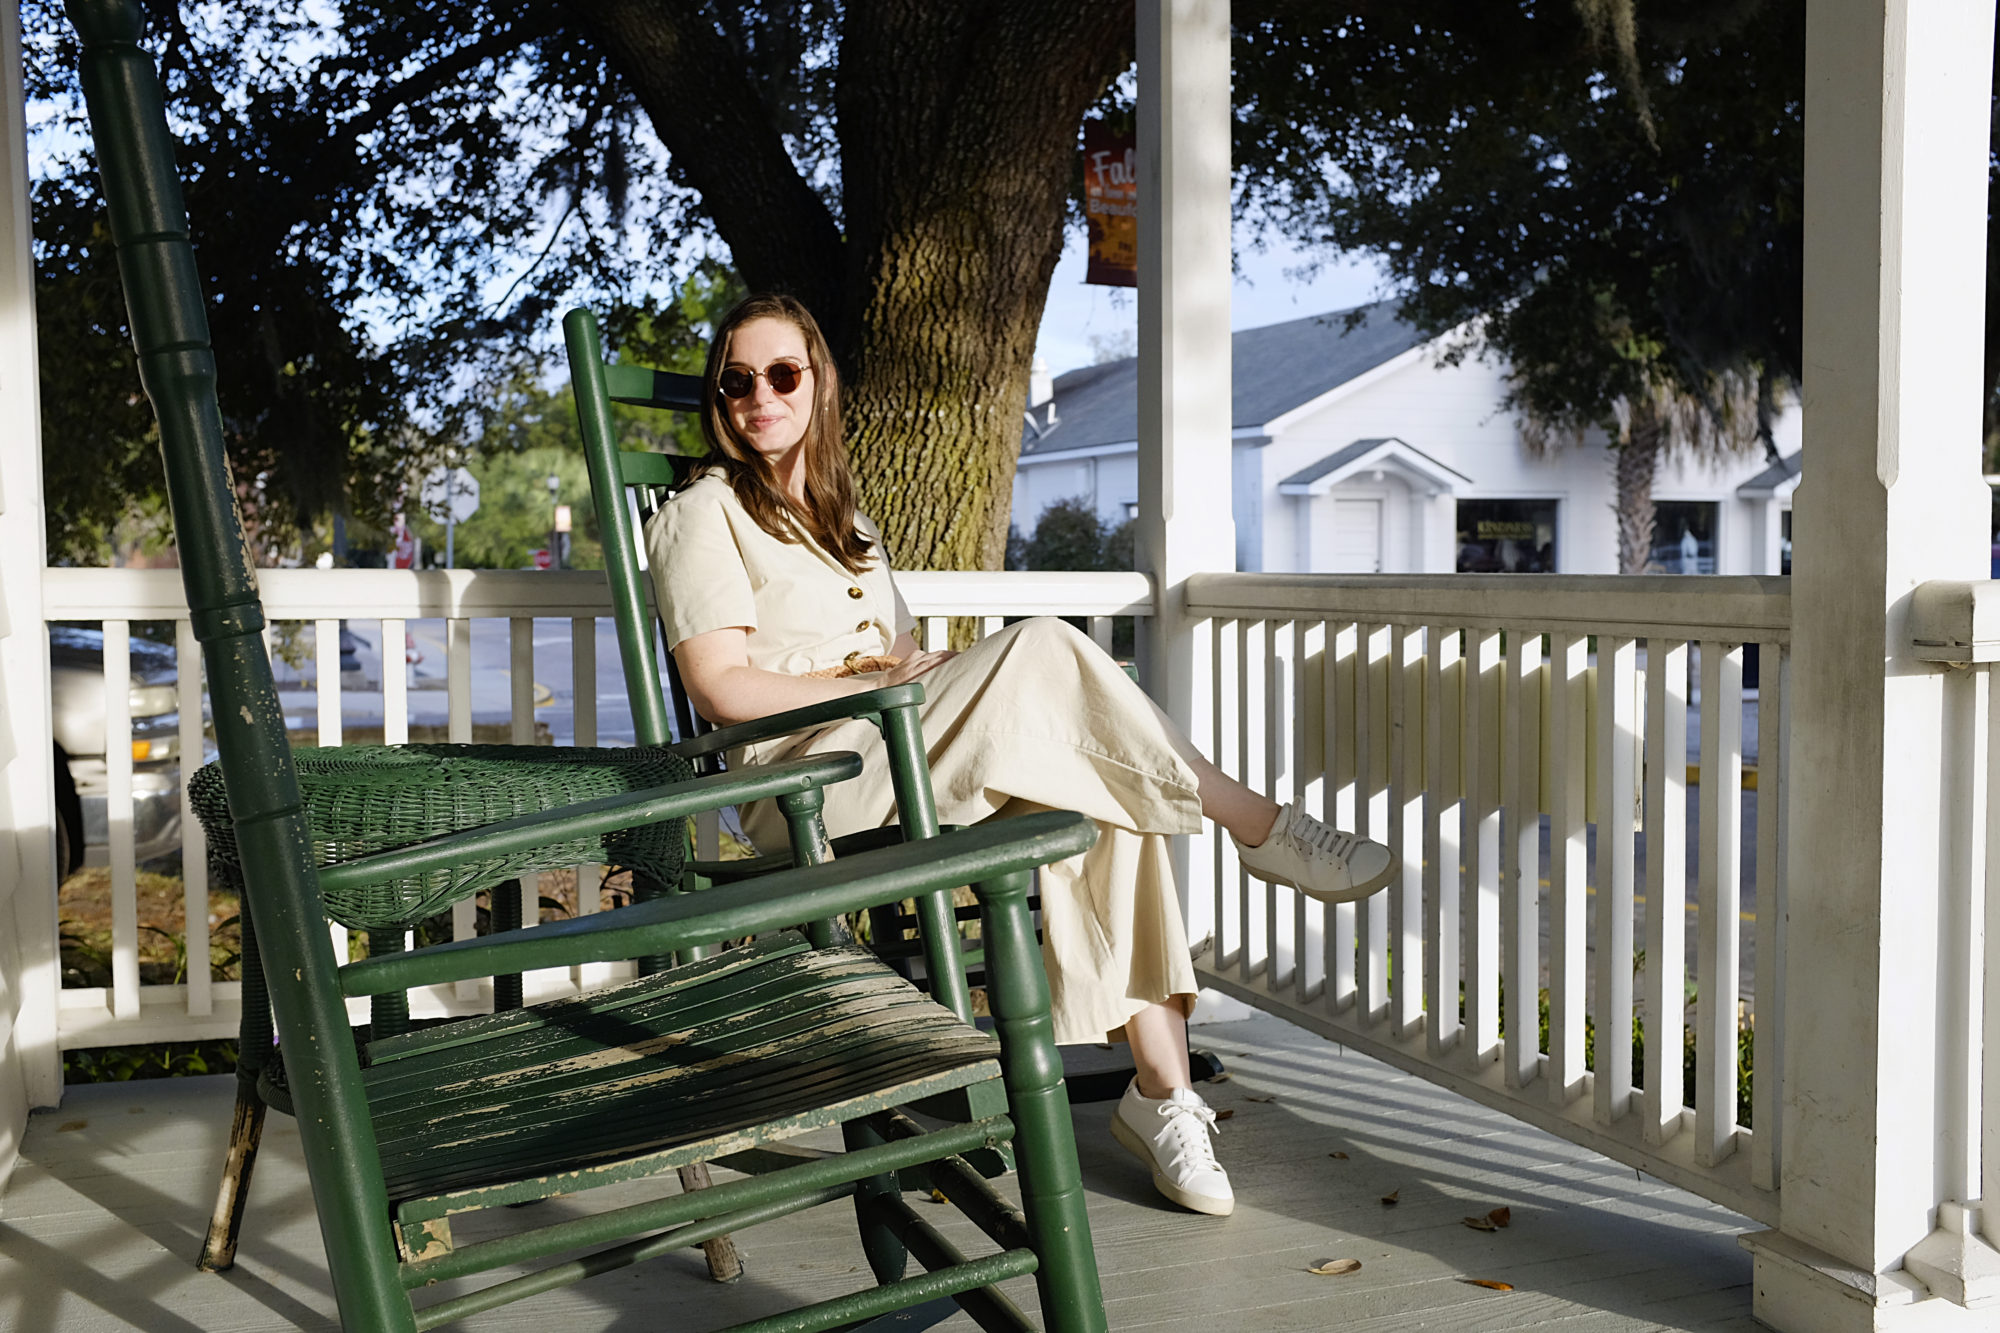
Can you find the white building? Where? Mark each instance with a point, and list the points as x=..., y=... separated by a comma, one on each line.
x=1361, y=450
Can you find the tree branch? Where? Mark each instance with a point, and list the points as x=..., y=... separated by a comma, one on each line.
x=725, y=145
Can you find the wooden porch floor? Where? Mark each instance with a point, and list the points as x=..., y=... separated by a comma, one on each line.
x=100, y=1225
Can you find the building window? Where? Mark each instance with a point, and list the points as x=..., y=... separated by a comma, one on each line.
x=1684, y=536
x=1506, y=536
x=1785, y=544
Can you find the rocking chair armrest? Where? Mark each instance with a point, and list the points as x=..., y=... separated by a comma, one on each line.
x=870, y=704
x=606, y=814
x=984, y=856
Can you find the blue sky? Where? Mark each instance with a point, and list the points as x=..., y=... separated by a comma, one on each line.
x=1264, y=293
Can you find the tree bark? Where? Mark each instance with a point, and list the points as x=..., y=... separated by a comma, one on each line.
x=958, y=134
x=1634, y=464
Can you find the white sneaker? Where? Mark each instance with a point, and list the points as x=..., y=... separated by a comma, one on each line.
x=1318, y=861
x=1171, y=1136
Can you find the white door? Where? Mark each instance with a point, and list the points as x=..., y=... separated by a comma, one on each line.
x=1355, y=544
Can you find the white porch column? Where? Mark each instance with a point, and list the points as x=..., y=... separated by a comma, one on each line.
x=1897, y=113
x=1185, y=524
x=30, y=1065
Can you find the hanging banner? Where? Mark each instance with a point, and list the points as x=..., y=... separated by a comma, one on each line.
x=1111, y=204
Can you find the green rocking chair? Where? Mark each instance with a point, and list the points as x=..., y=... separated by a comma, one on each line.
x=721, y=1058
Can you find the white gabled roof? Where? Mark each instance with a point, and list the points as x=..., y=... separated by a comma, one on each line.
x=1387, y=452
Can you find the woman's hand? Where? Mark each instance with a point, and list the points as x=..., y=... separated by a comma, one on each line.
x=915, y=665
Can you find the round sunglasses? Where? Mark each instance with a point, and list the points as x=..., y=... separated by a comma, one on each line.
x=784, y=377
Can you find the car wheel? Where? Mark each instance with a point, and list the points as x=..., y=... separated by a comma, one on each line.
x=69, y=820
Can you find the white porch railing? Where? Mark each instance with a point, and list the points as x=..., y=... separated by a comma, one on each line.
x=1488, y=727
x=394, y=602
x=1371, y=699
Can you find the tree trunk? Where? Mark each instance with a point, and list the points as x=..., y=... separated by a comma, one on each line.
x=1633, y=463
x=958, y=131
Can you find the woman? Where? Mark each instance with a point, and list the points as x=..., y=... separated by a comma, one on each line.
x=777, y=594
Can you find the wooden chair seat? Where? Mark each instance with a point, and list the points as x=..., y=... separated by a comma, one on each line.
x=655, y=1074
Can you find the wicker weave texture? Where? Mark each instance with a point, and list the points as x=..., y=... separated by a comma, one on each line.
x=370, y=798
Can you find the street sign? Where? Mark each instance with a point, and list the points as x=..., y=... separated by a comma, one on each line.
x=450, y=495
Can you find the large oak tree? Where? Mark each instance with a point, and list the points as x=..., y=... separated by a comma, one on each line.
x=394, y=199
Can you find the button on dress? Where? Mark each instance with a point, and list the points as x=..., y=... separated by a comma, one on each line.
x=1034, y=716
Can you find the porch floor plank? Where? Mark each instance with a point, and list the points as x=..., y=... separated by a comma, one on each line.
x=100, y=1224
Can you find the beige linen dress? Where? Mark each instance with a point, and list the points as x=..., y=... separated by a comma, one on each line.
x=1033, y=716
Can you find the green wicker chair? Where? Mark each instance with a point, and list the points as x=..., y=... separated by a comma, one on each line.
x=722, y=1058
x=360, y=800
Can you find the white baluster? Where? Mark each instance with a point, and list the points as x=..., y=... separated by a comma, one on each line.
x=1617, y=723
x=1767, y=1092
x=1520, y=895
x=395, y=681
x=521, y=679
x=1280, y=726
x=194, y=843
x=1721, y=900
x=1444, y=686
x=1482, y=838
x=1373, y=745
x=1230, y=900
x=1342, y=767
x=1309, y=788
x=1406, y=827
x=118, y=816
x=1666, y=885
x=1569, y=744
x=1255, y=636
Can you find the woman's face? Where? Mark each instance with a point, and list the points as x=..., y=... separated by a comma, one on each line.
x=765, y=420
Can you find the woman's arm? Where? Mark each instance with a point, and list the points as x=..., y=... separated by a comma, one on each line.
x=726, y=689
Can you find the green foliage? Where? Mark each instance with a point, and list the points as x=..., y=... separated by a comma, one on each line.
x=531, y=434
x=1070, y=535
x=172, y=1059
x=355, y=190
x=1616, y=219
x=1746, y=1045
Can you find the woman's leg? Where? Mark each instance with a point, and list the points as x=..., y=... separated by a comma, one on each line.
x=1244, y=814
x=1158, y=1036
x=1310, y=856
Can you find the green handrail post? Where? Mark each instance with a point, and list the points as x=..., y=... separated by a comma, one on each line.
x=163, y=293
x=614, y=523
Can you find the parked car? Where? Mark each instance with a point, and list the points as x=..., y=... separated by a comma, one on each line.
x=76, y=680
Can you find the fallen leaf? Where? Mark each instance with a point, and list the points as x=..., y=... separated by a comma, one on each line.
x=1224, y=1115
x=1223, y=1077
x=1391, y=1197
x=937, y=1196
x=1481, y=1223
x=1335, y=1267
x=71, y=1126
x=1487, y=1283
x=1500, y=1217
x=1260, y=1099
x=1338, y=1156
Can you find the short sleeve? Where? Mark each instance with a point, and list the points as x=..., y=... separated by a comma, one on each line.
x=699, y=577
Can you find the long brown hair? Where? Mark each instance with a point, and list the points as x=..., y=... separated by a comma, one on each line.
x=828, y=513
